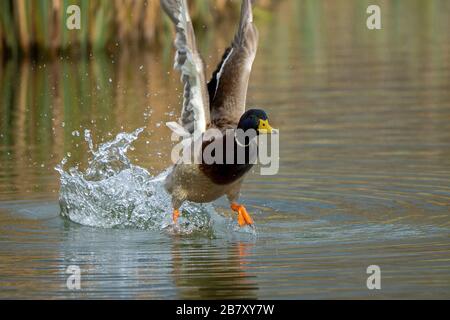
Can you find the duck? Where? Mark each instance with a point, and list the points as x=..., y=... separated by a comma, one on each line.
x=218, y=106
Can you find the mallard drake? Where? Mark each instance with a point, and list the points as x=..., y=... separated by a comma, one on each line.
x=218, y=104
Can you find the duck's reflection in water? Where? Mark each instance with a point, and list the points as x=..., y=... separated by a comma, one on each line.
x=207, y=271
x=138, y=264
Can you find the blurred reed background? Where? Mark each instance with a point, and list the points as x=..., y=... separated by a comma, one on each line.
x=38, y=27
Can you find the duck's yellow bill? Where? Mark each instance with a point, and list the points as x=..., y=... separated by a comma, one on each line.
x=264, y=126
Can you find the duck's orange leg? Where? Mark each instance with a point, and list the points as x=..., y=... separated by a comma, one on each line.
x=243, y=216
x=175, y=215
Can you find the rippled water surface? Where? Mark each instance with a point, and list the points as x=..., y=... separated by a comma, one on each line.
x=364, y=179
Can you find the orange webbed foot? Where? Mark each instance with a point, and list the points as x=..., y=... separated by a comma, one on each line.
x=243, y=216
x=175, y=215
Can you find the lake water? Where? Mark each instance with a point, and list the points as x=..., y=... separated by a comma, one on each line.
x=364, y=179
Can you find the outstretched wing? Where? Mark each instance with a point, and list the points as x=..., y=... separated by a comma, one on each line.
x=228, y=85
x=195, y=115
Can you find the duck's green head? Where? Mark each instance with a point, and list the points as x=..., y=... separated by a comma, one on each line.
x=255, y=119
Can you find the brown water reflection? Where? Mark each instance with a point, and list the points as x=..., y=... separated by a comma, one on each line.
x=364, y=177
x=213, y=273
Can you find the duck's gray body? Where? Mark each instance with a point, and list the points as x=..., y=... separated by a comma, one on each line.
x=179, y=183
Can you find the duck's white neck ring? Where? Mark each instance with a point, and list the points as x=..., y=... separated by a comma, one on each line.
x=239, y=143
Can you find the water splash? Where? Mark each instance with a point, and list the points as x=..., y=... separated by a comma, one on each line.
x=114, y=193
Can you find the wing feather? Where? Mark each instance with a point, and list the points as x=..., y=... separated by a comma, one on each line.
x=195, y=114
x=229, y=83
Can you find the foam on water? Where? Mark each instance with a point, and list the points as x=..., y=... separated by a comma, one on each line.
x=114, y=193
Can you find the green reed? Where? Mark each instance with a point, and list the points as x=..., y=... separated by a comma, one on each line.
x=39, y=26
